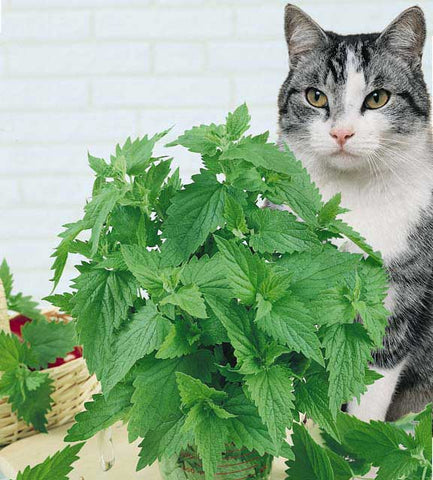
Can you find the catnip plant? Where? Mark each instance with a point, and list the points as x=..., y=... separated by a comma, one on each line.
x=212, y=323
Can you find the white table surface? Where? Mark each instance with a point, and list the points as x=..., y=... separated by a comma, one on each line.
x=33, y=450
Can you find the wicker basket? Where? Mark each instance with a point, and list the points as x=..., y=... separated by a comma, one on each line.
x=73, y=385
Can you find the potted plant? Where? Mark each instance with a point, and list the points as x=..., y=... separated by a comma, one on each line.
x=211, y=322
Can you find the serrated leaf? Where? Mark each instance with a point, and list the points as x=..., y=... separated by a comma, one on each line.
x=312, y=399
x=340, y=227
x=181, y=340
x=156, y=398
x=244, y=270
x=330, y=210
x=101, y=304
x=168, y=440
x=315, y=272
x=234, y=216
x=246, y=428
x=195, y=212
x=192, y=390
x=238, y=122
x=58, y=466
x=6, y=278
x=205, y=139
x=211, y=435
x=62, y=301
x=49, y=340
x=189, y=299
x=61, y=253
x=30, y=398
x=24, y=305
x=13, y=352
x=248, y=342
x=101, y=413
x=142, y=334
x=348, y=351
x=311, y=461
x=290, y=324
x=272, y=392
x=279, y=231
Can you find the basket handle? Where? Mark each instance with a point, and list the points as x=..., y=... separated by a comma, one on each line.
x=4, y=316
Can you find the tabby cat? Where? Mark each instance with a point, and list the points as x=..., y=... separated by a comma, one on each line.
x=356, y=110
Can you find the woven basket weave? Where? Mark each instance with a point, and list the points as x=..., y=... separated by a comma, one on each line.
x=73, y=385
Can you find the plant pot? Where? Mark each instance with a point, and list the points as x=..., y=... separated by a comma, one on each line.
x=235, y=464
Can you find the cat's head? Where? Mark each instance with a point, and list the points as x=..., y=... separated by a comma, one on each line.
x=350, y=101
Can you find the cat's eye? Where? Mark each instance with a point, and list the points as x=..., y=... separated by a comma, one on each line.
x=316, y=98
x=377, y=99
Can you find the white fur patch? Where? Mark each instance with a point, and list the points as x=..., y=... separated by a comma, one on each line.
x=375, y=402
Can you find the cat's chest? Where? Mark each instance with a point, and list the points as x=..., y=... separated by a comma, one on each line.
x=384, y=219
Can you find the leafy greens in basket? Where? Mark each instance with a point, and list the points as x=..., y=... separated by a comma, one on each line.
x=39, y=343
x=208, y=320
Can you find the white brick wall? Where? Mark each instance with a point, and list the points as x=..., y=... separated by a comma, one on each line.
x=84, y=74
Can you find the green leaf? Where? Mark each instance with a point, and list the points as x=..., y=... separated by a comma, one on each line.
x=246, y=428
x=348, y=351
x=340, y=227
x=209, y=274
x=181, y=340
x=311, y=461
x=142, y=334
x=272, y=392
x=61, y=253
x=340, y=466
x=101, y=304
x=97, y=211
x=192, y=390
x=58, y=466
x=24, y=305
x=279, y=231
x=167, y=441
x=49, y=340
x=205, y=139
x=330, y=210
x=62, y=301
x=6, y=278
x=289, y=323
x=145, y=265
x=423, y=431
x=138, y=153
x=156, y=398
x=29, y=394
x=235, y=216
x=195, y=212
x=211, y=435
x=312, y=399
x=244, y=270
x=248, y=342
x=101, y=413
x=189, y=299
x=238, y=122
x=13, y=352
x=315, y=272
x=100, y=166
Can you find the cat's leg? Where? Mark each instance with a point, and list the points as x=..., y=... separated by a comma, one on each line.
x=375, y=402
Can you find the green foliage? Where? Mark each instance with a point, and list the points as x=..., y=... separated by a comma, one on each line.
x=18, y=303
x=27, y=389
x=58, y=466
x=48, y=340
x=221, y=318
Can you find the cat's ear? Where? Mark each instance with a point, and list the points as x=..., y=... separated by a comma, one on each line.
x=303, y=34
x=406, y=35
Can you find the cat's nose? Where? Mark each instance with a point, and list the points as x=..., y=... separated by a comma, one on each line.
x=341, y=135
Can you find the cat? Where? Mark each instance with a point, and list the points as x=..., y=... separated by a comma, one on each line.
x=355, y=110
